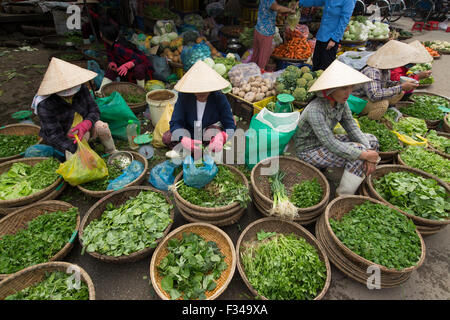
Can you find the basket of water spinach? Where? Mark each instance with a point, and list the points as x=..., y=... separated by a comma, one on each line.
x=133, y=94
x=16, y=138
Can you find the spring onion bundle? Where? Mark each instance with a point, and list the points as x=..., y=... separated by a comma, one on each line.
x=282, y=206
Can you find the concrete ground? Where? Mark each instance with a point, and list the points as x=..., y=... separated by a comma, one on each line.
x=132, y=281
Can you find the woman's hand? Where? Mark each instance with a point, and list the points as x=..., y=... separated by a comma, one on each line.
x=112, y=66
x=331, y=44
x=369, y=168
x=409, y=85
x=123, y=69
x=369, y=156
x=424, y=74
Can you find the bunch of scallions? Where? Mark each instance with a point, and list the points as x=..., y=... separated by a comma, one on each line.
x=282, y=206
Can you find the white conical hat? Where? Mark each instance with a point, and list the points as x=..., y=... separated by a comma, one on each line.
x=337, y=75
x=62, y=75
x=392, y=54
x=422, y=55
x=201, y=78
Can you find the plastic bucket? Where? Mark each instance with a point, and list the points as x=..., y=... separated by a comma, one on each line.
x=157, y=101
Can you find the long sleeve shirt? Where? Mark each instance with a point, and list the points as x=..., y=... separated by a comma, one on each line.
x=382, y=87
x=120, y=54
x=335, y=17
x=315, y=129
x=56, y=117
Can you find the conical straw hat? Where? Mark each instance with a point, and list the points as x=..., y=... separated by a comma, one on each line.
x=337, y=75
x=392, y=54
x=62, y=75
x=201, y=78
x=422, y=55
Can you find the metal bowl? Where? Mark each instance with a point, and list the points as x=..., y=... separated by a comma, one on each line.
x=124, y=158
x=234, y=46
x=233, y=41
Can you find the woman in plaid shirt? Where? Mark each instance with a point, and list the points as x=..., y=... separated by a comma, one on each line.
x=315, y=141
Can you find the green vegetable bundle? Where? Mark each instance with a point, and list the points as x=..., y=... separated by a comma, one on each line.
x=53, y=287
x=131, y=227
x=22, y=180
x=379, y=234
x=281, y=206
x=414, y=194
x=306, y=194
x=42, y=239
x=228, y=63
x=283, y=267
x=427, y=161
x=440, y=143
x=387, y=139
x=223, y=190
x=133, y=97
x=246, y=37
x=426, y=107
x=297, y=81
x=11, y=145
x=100, y=185
x=191, y=267
x=411, y=127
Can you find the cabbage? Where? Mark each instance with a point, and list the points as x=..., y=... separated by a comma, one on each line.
x=209, y=62
x=231, y=55
x=156, y=40
x=220, y=68
x=172, y=35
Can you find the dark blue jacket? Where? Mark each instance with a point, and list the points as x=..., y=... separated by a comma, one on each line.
x=217, y=109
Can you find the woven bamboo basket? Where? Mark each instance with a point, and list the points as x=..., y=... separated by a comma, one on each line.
x=222, y=222
x=340, y=206
x=431, y=124
x=19, y=219
x=296, y=172
x=353, y=269
x=443, y=134
x=283, y=227
x=35, y=274
x=126, y=88
x=206, y=212
x=118, y=198
x=446, y=125
x=100, y=194
x=418, y=221
x=208, y=232
x=20, y=129
x=5, y=166
x=63, y=55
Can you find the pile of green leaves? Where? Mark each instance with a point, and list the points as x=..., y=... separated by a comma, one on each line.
x=23, y=180
x=44, y=236
x=428, y=80
x=157, y=12
x=55, y=286
x=306, y=194
x=427, y=161
x=387, y=139
x=100, y=185
x=411, y=126
x=228, y=63
x=223, y=190
x=133, y=226
x=133, y=97
x=426, y=107
x=440, y=143
x=71, y=56
x=283, y=267
x=246, y=37
x=379, y=234
x=11, y=145
x=191, y=267
x=414, y=194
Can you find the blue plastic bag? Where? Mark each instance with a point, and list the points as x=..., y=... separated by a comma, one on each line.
x=94, y=66
x=198, y=177
x=42, y=150
x=162, y=175
x=130, y=173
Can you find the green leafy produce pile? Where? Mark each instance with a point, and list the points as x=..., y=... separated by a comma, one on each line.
x=387, y=139
x=223, y=190
x=427, y=161
x=11, y=145
x=133, y=226
x=411, y=126
x=42, y=239
x=414, y=194
x=379, y=234
x=157, y=12
x=426, y=107
x=296, y=82
x=100, y=185
x=428, y=80
x=22, y=180
x=228, y=63
x=53, y=287
x=283, y=267
x=306, y=194
x=440, y=143
x=71, y=56
x=246, y=37
x=191, y=267
x=133, y=97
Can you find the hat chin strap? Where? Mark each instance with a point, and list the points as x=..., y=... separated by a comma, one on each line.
x=324, y=92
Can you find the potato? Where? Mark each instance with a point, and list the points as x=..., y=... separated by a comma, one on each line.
x=236, y=91
x=259, y=96
x=247, y=88
x=264, y=89
x=249, y=96
x=242, y=93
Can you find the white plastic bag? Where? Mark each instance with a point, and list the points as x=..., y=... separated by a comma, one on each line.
x=242, y=72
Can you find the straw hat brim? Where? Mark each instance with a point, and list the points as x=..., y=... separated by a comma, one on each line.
x=337, y=75
x=422, y=55
x=62, y=75
x=201, y=78
x=392, y=54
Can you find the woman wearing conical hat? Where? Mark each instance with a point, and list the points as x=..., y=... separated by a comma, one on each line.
x=65, y=107
x=382, y=92
x=314, y=140
x=202, y=113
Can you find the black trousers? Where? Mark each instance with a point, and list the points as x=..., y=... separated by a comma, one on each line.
x=322, y=57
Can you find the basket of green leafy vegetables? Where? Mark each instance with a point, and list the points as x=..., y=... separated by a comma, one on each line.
x=134, y=95
x=281, y=260
x=48, y=281
x=127, y=225
x=439, y=142
x=370, y=233
x=16, y=138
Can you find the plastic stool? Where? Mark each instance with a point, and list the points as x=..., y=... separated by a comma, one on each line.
x=432, y=25
x=417, y=26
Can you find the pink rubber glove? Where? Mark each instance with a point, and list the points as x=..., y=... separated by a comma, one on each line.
x=123, y=69
x=82, y=128
x=112, y=66
x=218, y=141
x=190, y=144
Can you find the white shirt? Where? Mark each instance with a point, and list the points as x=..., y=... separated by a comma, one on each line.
x=200, y=110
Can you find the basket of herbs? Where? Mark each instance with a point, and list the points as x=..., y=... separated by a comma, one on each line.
x=48, y=281
x=439, y=142
x=133, y=94
x=195, y=261
x=16, y=138
x=39, y=233
x=126, y=225
x=281, y=260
